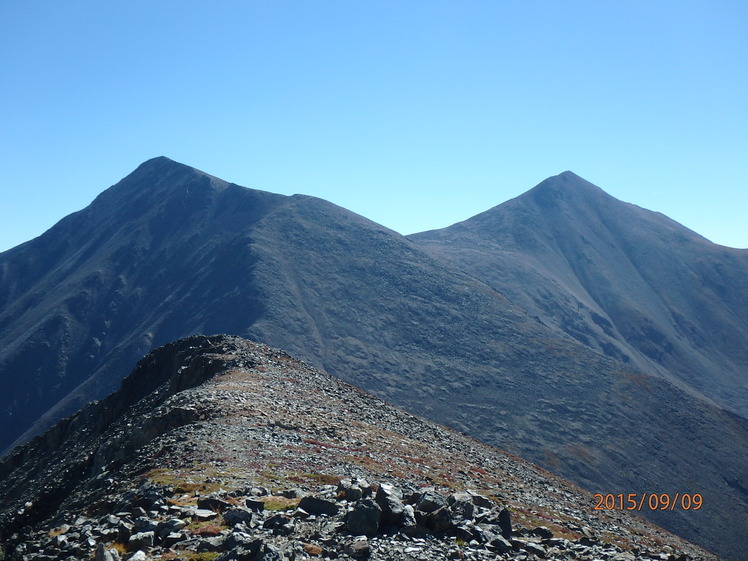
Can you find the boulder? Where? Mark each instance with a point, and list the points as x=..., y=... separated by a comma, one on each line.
x=252, y=550
x=353, y=490
x=141, y=540
x=169, y=526
x=430, y=500
x=505, y=523
x=255, y=505
x=541, y=532
x=439, y=520
x=461, y=505
x=235, y=515
x=390, y=501
x=358, y=548
x=365, y=518
x=213, y=503
x=500, y=544
x=280, y=524
x=479, y=500
x=535, y=549
x=317, y=505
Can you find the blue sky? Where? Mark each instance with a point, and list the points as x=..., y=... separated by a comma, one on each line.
x=415, y=114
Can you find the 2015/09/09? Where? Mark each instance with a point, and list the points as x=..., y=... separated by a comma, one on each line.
x=653, y=501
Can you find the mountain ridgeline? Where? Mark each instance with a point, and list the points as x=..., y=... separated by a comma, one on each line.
x=592, y=337
x=620, y=279
x=221, y=448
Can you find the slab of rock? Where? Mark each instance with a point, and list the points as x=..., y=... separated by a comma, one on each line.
x=141, y=540
x=317, y=505
x=213, y=503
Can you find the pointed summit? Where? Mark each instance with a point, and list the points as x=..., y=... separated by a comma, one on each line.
x=160, y=178
x=565, y=188
x=628, y=282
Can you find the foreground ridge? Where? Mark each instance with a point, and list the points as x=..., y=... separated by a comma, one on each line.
x=219, y=448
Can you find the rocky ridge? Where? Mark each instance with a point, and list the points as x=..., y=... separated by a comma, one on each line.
x=218, y=448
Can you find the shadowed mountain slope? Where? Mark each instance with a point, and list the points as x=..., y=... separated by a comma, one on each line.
x=213, y=445
x=170, y=251
x=620, y=279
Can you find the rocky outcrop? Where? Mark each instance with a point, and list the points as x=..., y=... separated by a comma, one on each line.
x=218, y=448
x=154, y=522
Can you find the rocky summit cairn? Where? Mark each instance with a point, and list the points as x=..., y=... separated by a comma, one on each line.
x=216, y=448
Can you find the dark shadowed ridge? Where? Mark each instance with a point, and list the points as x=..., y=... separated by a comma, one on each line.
x=170, y=251
x=106, y=284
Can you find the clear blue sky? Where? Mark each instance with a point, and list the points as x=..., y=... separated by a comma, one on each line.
x=415, y=114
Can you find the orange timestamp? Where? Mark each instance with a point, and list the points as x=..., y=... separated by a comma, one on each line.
x=651, y=501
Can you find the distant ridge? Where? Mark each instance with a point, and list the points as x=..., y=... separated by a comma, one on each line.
x=170, y=252
x=620, y=279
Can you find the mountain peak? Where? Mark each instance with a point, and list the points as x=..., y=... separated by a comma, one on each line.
x=164, y=169
x=564, y=186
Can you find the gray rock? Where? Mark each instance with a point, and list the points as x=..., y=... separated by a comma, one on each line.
x=462, y=505
x=173, y=538
x=141, y=540
x=536, y=549
x=500, y=544
x=358, y=548
x=270, y=553
x=204, y=514
x=213, y=503
x=541, y=532
x=103, y=554
x=408, y=516
x=236, y=540
x=280, y=524
x=479, y=500
x=234, y=516
x=365, y=518
x=429, y=501
x=144, y=524
x=349, y=491
x=255, y=505
x=211, y=544
x=253, y=551
x=124, y=531
x=317, y=505
x=505, y=523
x=169, y=526
x=439, y=520
x=389, y=500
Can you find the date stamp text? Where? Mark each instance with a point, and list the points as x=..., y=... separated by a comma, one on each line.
x=648, y=501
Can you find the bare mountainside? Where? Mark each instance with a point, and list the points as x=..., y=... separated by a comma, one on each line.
x=170, y=251
x=218, y=448
x=620, y=279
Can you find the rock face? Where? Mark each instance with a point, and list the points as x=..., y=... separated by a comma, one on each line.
x=170, y=252
x=218, y=448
